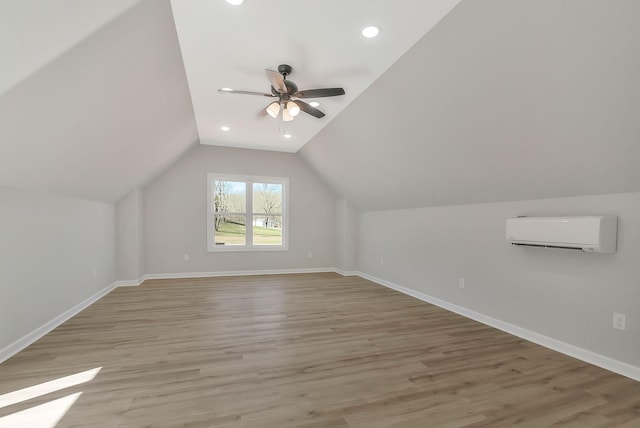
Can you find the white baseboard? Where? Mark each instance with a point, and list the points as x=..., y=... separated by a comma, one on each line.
x=347, y=272
x=26, y=340
x=590, y=357
x=129, y=283
x=232, y=273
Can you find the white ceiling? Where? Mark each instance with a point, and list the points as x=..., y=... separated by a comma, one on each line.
x=108, y=112
x=500, y=101
x=230, y=46
x=35, y=32
x=511, y=100
x=99, y=97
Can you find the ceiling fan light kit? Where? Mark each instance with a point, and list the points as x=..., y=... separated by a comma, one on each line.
x=293, y=108
x=273, y=109
x=286, y=116
x=289, y=102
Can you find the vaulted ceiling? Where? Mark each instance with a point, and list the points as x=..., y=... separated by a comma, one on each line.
x=107, y=111
x=489, y=100
x=231, y=46
x=503, y=100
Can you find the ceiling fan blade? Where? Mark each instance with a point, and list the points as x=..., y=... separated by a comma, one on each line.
x=276, y=81
x=233, y=91
x=319, y=93
x=309, y=109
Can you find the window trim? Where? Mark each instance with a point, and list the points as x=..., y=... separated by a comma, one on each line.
x=249, y=180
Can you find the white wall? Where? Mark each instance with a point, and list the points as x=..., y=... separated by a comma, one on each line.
x=346, y=236
x=175, y=214
x=55, y=252
x=130, y=236
x=566, y=295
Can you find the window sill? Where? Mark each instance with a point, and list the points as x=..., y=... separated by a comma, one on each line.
x=243, y=248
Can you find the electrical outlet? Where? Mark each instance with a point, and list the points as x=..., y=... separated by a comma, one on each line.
x=619, y=321
x=461, y=283
x=186, y=257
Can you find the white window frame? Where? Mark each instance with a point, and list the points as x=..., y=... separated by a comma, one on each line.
x=248, y=180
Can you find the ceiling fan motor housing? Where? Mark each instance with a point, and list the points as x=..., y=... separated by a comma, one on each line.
x=285, y=70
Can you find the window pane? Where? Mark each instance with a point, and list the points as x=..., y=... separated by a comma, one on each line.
x=230, y=213
x=230, y=197
x=230, y=229
x=267, y=198
x=247, y=213
x=267, y=214
x=267, y=230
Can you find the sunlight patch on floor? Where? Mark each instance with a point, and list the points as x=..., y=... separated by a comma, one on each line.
x=45, y=415
x=47, y=387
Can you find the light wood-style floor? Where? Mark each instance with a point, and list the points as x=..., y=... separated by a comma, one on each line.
x=312, y=350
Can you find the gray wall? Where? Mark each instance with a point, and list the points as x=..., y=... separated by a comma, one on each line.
x=346, y=236
x=175, y=214
x=54, y=253
x=566, y=295
x=130, y=236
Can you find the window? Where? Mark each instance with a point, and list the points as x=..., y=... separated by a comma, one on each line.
x=246, y=213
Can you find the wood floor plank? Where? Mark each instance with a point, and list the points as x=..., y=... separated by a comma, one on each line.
x=307, y=350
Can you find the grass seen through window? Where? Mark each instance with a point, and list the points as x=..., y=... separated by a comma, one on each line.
x=231, y=233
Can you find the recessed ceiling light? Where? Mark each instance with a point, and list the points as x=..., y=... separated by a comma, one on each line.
x=225, y=128
x=287, y=136
x=226, y=89
x=235, y=2
x=370, y=32
x=314, y=104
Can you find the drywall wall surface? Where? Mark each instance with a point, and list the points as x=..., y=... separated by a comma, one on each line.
x=129, y=236
x=54, y=253
x=346, y=236
x=140, y=232
x=175, y=217
x=564, y=294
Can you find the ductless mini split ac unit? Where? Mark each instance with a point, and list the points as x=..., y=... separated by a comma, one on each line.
x=596, y=234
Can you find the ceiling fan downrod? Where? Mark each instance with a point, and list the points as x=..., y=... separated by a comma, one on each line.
x=285, y=70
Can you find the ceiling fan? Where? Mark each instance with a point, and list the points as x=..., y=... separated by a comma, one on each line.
x=288, y=95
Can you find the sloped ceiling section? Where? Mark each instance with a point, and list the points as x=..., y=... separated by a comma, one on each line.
x=34, y=32
x=103, y=117
x=503, y=100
